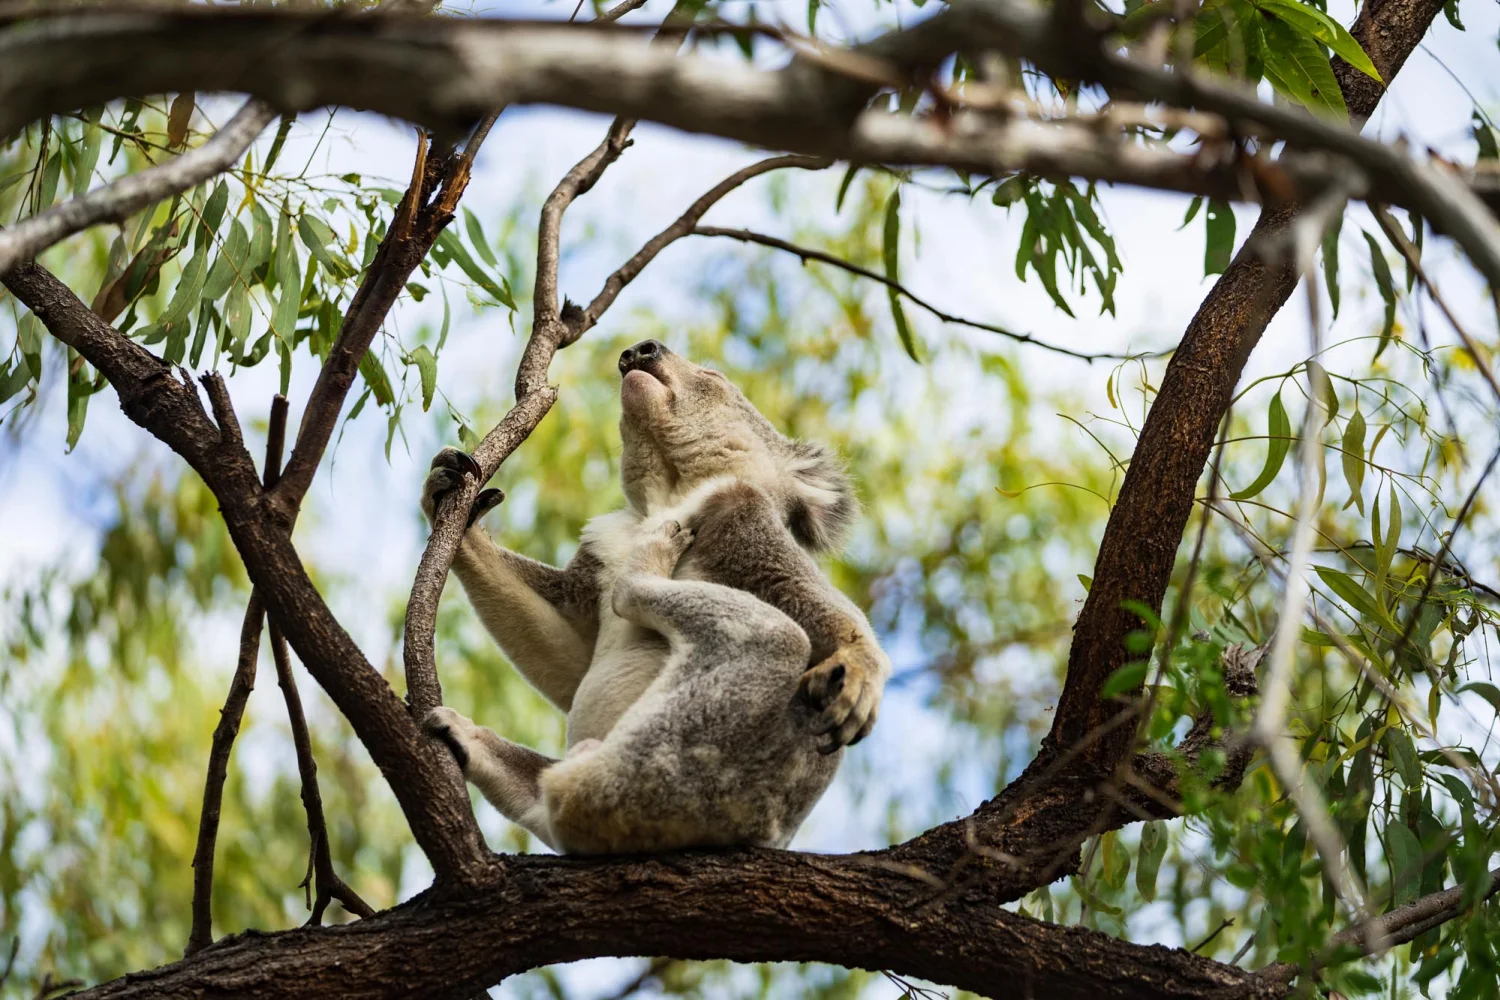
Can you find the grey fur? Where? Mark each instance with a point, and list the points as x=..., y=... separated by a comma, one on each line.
x=709, y=695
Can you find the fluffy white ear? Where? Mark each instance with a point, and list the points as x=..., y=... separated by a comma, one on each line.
x=822, y=506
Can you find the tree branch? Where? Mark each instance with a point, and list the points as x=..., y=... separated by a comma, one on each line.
x=1145, y=527
x=807, y=254
x=748, y=906
x=121, y=199
x=325, y=881
x=202, y=933
x=448, y=73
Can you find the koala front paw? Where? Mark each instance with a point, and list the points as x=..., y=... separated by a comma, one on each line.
x=453, y=729
x=657, y=553
x=449, y=466
x=847, y=687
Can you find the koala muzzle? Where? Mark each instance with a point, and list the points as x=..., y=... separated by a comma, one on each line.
x=644, y=355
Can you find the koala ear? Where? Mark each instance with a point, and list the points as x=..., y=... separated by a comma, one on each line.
x=821, y=507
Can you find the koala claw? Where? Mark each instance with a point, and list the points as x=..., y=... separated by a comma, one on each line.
x=847, y=687
x=486, y=501
x=457, y=460
x=445, y=724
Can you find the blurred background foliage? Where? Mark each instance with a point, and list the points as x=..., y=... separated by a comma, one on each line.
x=985, y=493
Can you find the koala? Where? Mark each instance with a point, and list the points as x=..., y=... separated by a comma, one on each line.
x=710, y=672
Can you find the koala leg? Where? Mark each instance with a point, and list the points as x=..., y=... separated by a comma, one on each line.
x=719, y=624
x=506, y=773
x=715, y=751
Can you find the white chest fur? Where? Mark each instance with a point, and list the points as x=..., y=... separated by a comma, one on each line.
x=627, y=658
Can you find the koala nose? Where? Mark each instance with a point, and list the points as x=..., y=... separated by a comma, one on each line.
x=643, y=353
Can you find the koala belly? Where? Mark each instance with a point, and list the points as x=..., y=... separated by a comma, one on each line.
x=713, y=755
x=627, y=659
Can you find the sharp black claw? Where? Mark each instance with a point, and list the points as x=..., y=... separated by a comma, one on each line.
x=467, y=462
x=486, y=501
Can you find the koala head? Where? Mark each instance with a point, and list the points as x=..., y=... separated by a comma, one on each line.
x=683, y=425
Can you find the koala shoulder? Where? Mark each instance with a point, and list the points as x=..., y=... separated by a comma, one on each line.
x=816, y=494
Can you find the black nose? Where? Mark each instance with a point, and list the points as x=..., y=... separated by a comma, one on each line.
x=643, y=353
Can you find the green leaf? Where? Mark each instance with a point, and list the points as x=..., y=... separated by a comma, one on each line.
x=1489, y=149
x=1404, y=755
x=460, y=256
x=1153, y=850
x=1297, y=66
x=213, y=214
x=177, y=319
x=284, y=355
x=1312, y=21
x=1450, y=11
x=278, y=142
x=1219, y=247
x=375, y=377
x=237, y=318
x=1485, y=690
x=1353, y=594
x=232, y=262
x=476, y=237
x=14, y=380
x=1353, y=446
x=1406, y=861
x=838, y=202
x=443, y=333
x=29, y=336
x=1009, y=191
x=317, y=237
x=1192, y=211
x=260, y=240
x=1322, y=387
x=1127, y=678
x=1387, y=288
x=1087, y=581
x=79, y=391
x=427, y=368
x=1385, y=547
x=892, y=248
x=88, y=156
x=1279, y=430
x=1331, y=262
x=47, y=191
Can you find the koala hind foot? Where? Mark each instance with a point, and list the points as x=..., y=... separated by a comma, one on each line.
x=446, y=474
x=847, y=687
x=452, y=729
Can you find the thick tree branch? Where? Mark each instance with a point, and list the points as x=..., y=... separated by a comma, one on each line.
x=750, y=906
x=448, y=73
x=807, y=253
x=121, y=199
x=1140, y=541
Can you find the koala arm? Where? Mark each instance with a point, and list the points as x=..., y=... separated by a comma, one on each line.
x=740, y=541
x=544, y=618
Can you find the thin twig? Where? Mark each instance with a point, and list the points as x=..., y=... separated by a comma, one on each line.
x=117, y=201
x=325, y=882
x=823, y=257
x=201, y=934
x=1414, y=258
x=1227, y=923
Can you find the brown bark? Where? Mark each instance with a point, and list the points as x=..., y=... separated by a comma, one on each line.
x=1145, y=528
x=747, y=906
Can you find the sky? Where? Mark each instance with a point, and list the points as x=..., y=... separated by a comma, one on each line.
x=359, y=522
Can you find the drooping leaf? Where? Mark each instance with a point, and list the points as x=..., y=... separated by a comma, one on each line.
x=179, y=118
x=1153, y=850
x=375, y=377
x=1218, y=250
x=477, y=237
x=892, y=256
x=838, y=202
x=212, y=215
x=456, y=252
x=1353, y=594
x=1406, y=861
x=1353, y=446
x=1279, y=433
x=1192, y=211
x=427, y=369
x=1322, y=387
x=232, y=262
x=88, y=155
x=1404, y=755
x=1485, y=690
x=318, y=239
x=1450, y=11
x=1331, y=261
x=1387, y=286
